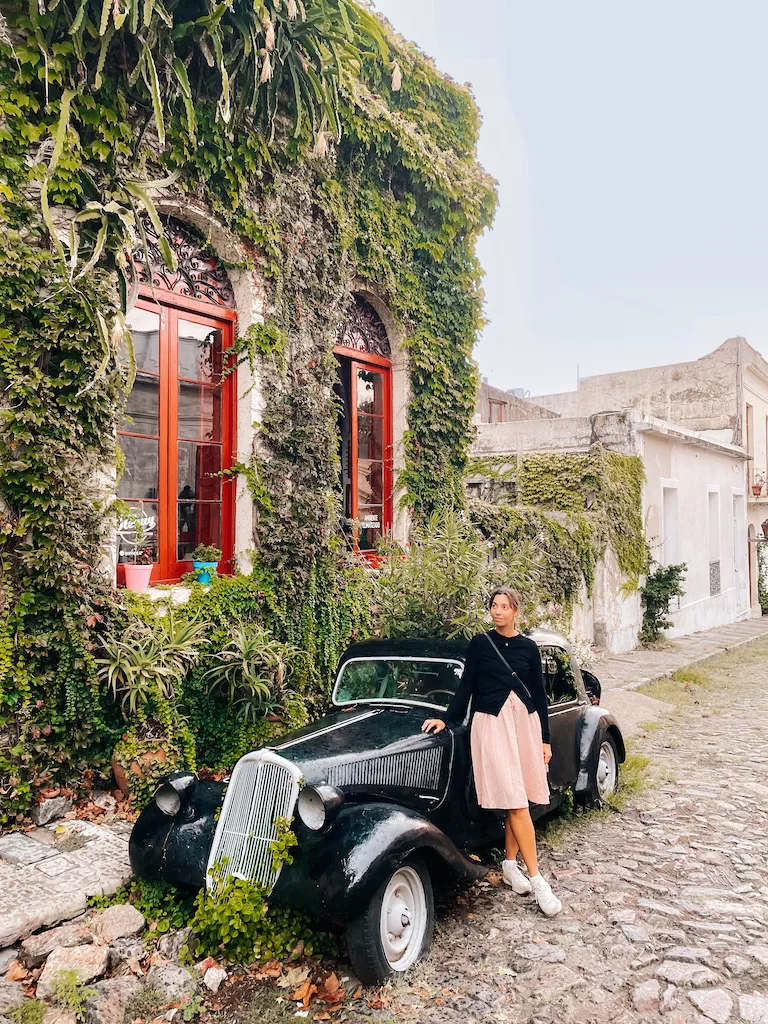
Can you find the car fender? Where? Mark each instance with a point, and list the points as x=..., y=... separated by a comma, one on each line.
x=336, y=871
x=595, y=723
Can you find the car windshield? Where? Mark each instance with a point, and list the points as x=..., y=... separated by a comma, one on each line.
x=410, y=679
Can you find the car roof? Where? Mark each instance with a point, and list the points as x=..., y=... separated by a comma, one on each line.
x=431, y=648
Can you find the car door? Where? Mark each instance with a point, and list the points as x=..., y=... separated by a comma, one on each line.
x=565, y=709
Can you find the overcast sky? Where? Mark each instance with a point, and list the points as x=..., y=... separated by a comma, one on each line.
x=630, y=146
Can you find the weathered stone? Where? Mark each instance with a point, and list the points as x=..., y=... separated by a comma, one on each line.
x=11, y=994
x=659, y=908
x=104, y=800
x=645, y=997
x=635, y=932
x=758, y=952
x=50, y=809
x=7, y=956
x=667, y=998
x=737, y=964
x=754, y=1009
x=55, y=1015
x=108, y=1005
x=171, y=982
x=169, y=945
x=20, y=849
x=691, y=954
x=122, y=950
x=714, y=1003
x=37, y=947
x=625, y=916
x=542, y=951
x=213, y=978
x=118, y=922
x=88, y=962
x=678, y=973
x=34, y=907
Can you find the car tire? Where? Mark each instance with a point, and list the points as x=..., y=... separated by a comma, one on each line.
x=376, y=952
x=604, y=778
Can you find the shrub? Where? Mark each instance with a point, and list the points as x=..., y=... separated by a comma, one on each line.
x=661, y=586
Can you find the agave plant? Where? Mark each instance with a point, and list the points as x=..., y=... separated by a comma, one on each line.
x=145, y=665
x=251, y=671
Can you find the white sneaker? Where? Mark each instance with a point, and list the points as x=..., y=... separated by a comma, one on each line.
x=549, y=904
x=515, y=878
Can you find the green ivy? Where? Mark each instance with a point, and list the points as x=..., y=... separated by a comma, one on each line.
x=661, y=586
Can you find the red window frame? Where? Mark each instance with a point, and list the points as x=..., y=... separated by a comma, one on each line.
x=369, y=361
x=171, y=308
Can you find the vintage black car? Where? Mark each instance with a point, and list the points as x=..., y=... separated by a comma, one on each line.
x=379, y=808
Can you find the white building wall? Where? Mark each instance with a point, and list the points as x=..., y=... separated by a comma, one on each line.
x=705, y=525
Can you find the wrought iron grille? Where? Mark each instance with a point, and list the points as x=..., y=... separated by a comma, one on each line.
x=263, y=788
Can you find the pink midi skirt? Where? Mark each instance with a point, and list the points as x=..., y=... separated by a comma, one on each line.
x=507, y=757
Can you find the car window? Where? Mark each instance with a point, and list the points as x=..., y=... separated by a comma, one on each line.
x=428, y=682
x=559, y=677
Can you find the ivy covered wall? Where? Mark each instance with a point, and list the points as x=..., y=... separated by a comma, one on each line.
x=331, y=151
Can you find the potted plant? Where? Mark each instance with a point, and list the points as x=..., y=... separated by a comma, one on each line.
x=139, y=569
x=757, y=483
x=143, y=669
x=205, y=560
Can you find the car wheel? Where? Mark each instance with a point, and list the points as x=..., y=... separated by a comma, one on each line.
x=605, y=777
x=396, y=928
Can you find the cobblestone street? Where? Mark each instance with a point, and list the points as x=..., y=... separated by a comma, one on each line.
x=665, y=904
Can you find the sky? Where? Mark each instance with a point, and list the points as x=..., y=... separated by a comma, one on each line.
x=630, y=146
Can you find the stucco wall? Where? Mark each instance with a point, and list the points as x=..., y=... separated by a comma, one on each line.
x=695, y=472
x=572, y=434
x=514, y=408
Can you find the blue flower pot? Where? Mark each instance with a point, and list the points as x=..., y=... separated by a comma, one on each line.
x=204, y=570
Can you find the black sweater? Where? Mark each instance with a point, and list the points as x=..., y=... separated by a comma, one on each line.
x=488, y=681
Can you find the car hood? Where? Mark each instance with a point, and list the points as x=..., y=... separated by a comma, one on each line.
x=362, y=734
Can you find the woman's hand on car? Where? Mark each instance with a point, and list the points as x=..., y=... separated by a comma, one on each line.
x=433, y=725
x=547, y=753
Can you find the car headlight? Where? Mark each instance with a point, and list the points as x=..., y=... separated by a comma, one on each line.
x=170, y=794
x=319, y=805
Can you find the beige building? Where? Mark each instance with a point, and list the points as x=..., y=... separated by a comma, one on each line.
x=723, y=396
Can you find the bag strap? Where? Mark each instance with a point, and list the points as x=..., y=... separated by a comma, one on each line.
x=508, y=666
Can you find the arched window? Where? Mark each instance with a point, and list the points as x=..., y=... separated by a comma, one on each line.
x=364, y=390
x=179, y=429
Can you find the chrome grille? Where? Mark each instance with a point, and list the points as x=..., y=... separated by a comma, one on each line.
x=263, y=787
x=417, y=768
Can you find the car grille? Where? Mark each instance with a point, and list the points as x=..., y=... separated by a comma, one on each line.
x=263, y=787
x=417, y=768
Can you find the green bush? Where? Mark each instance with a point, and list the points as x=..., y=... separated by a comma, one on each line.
x=661, y=586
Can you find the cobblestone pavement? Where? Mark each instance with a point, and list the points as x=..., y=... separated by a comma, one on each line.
x=665, y=904
x=47, y=875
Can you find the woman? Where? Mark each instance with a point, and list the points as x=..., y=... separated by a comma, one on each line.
x=509, y=738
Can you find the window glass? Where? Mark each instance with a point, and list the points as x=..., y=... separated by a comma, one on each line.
x=370, y=518
x=140, y=477
x=198, y=464
x=199, y=412
x=370, y=437
x=559, y=678
x=144, y=325
x=370, y=482
x=197, y=522
x=370, y=391
x=142, y=409
x=429, y=682
x=137, y=532
x=199, y=352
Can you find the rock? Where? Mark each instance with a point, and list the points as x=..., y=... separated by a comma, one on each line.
x=678, y=973
x=714, y=1003
x=122, y=950
x=754, y=1009
x=645, y=997
x=691, y=954
x=7, y=955
x=170, y=945
x=668, y=998
x=622, y=916
x=171, y=982
x=48, y=810
x=88, y=962
x=737, y=964
x=542, y=951
x=55, y=1015
x=37, y=947
x=11, y=994
x=118, y=922
x=758, y=952
x=659, y=908
x=108, y=1005
x=21, y=850
x=635, y=932
x=104, y=800
x=214, y=977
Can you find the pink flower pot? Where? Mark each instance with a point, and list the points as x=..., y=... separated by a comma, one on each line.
x=137, y=576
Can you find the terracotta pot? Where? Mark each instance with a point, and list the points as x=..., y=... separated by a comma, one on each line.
x=147, y=759
x=137, y=576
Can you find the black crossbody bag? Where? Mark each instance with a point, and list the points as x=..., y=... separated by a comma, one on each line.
x=509, y=668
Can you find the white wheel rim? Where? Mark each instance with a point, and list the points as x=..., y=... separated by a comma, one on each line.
x=606, y=770
x=403, y=919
